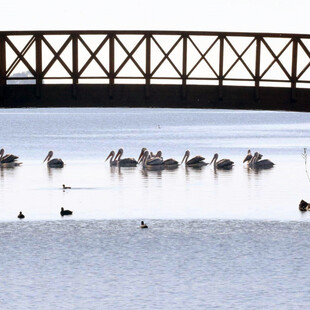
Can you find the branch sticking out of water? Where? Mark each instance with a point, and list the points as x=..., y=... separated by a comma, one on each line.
x=305, y=157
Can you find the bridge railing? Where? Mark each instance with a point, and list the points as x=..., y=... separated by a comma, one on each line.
x=156, y=56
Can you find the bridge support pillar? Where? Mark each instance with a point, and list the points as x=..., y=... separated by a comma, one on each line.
x=2, y=66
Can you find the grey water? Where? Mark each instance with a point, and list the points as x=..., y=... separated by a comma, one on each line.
x=216, y=239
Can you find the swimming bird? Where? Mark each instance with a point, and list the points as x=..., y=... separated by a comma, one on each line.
x=143, y=225
x=126, y=162
x=169, y=163
x=221, y=164
x=250, y=156
x=8, y=160
x=21, y=215
x=196, y=162
x=141, y=154
x=65, y=212
x=304, y=206
x=113, y=162
x=155, y=163
x=65, y=187
x=53, y=163
x=255, y=163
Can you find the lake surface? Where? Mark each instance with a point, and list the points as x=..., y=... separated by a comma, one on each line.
x=216, y=239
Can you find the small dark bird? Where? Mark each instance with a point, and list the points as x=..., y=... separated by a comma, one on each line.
x=65, y=212
x=143, y=225
x=304, y=206
x=21, y=215
x=65, y=187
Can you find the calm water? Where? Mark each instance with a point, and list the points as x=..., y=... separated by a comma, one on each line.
x=217, y=239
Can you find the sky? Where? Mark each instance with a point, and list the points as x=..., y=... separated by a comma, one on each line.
x=202, y=15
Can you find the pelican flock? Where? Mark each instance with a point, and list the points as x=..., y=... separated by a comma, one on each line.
x=153, y=162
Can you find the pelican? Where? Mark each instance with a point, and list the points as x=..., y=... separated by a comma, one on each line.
x=250, y=156
x=8, y=160
x=197, y=161
x=126, y=162
x=169, y=163
x=113, y=162
x=141, y=154
x=152, y=163
x=221, y=164
x=255, y=163
x=53, y=163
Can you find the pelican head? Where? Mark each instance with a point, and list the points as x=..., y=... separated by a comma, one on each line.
x=119, y=154
x=186, y=155
x=248, y=157
x=141, y=154
x=49, y=156
x=214, y=159
x=159, y=154
x=112, y=153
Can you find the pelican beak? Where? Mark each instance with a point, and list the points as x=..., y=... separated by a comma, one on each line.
x=47, y=158
x=109, y=156
x=246, y=158
x=212, y=160
x=183, y=159
x=118, y=154
x=141, y=155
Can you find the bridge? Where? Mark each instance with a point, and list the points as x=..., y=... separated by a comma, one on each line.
x=155, y=69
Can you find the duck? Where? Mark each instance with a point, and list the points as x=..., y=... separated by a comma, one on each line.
x=65, y=212
x=21, y=215
x=304, y=206
x=143, y=225
x=65, y=187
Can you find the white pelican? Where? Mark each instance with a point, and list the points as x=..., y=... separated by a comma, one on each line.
x=8, y=160
x=53, y=163
x=221, y=164
x=255, y=163
x=152, y=163
x=113, y=162
x=250, y=156
x=196, y=162
x=126, y=162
